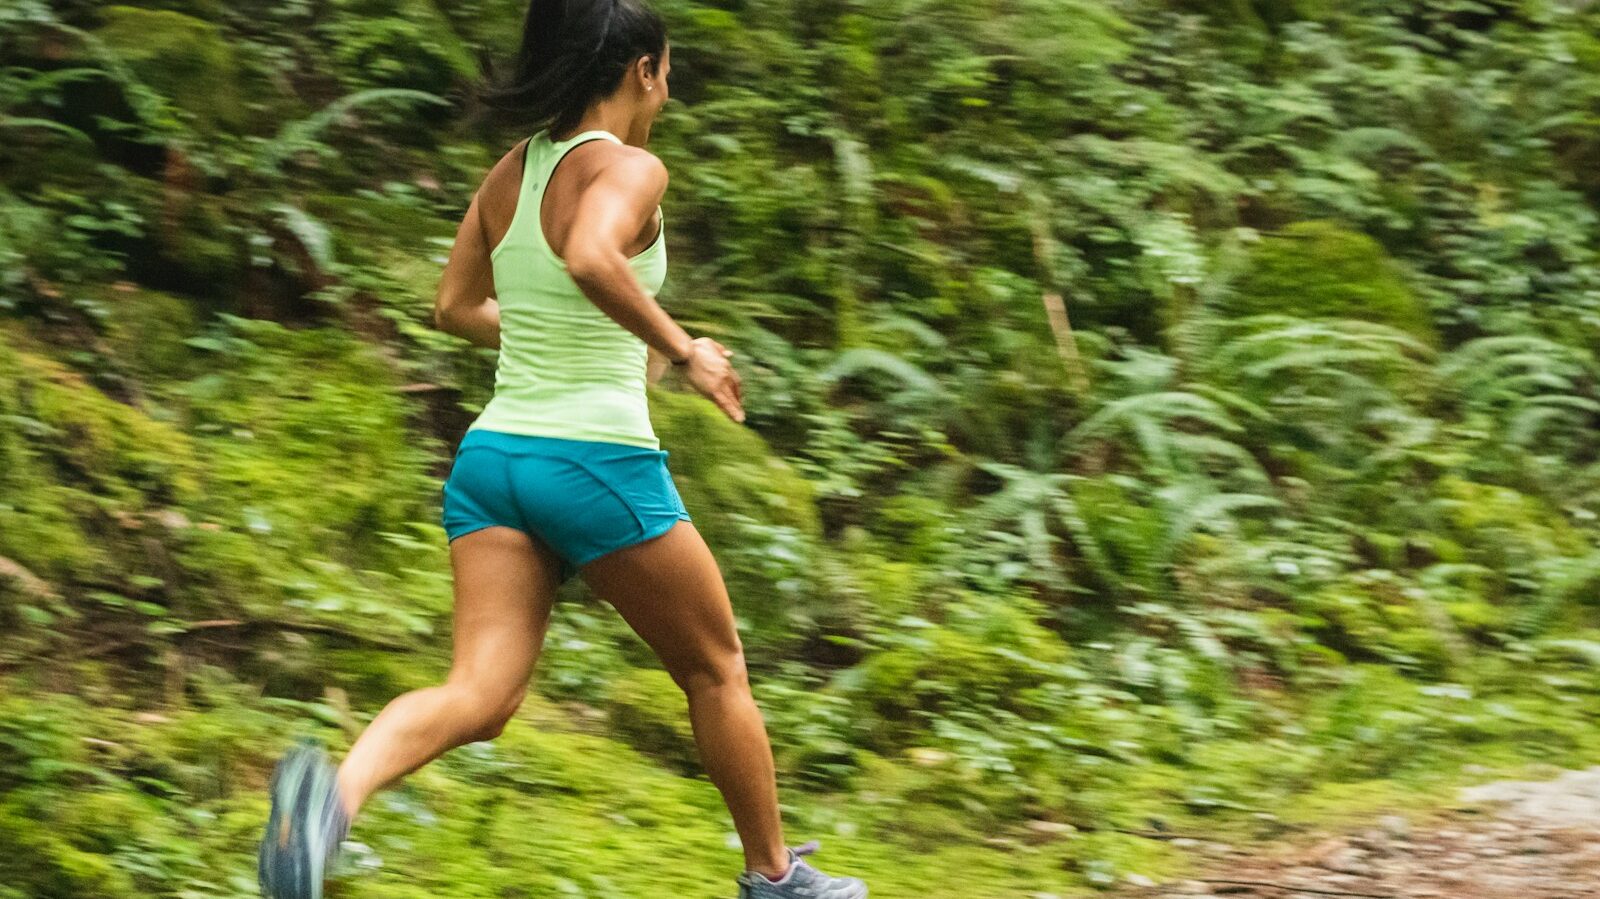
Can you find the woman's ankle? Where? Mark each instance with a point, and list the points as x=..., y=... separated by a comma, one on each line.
x=772, y=869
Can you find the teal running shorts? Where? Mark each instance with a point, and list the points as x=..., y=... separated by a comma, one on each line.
x=584, y=498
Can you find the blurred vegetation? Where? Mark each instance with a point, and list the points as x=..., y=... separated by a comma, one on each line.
x=1164, y=416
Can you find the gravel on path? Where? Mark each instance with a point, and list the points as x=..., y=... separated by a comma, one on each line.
x=1537, y=840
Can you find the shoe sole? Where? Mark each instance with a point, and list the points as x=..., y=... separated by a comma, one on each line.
x=290, y=867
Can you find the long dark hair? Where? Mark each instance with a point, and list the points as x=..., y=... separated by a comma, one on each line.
x=573, y=53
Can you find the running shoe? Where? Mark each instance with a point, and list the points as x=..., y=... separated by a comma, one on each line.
x=801, y=881
x=305, y=827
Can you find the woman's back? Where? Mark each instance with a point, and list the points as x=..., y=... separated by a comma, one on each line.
x=566, y=368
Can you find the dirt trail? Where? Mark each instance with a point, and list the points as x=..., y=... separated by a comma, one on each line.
x=1537, y=841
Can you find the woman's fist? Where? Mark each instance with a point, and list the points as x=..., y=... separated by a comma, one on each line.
x=711, y=374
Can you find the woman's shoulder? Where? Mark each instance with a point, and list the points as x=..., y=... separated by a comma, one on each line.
x=631, y=161
x=642, y=163
x=508, y=169
x=498, y=193
x=634, y=171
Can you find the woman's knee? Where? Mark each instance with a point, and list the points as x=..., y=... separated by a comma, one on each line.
x=718, y=671
x=486, y=707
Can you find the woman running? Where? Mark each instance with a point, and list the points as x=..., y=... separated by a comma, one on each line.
x=556, y=264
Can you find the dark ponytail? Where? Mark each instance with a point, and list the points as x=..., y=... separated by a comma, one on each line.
x=573, y=53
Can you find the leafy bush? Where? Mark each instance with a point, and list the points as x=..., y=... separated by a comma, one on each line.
x=1320, y=270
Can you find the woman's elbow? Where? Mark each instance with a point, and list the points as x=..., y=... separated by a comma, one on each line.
x=448, y=316
x=589, y=268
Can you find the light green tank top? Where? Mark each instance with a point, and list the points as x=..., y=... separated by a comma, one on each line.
x=566, y=369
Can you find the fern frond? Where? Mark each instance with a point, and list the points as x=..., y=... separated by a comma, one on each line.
x=301, y=135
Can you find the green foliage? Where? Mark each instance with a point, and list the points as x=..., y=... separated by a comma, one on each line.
x=81, y=470
x=149, y=330
x=648, y=710
x=1320, y=270
x=1300, y=501
x=397, y=43
x=187, y=60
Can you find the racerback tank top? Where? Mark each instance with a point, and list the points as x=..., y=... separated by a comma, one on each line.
x=566, y=369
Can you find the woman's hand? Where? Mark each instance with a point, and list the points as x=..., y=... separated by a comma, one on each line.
x=710, y=373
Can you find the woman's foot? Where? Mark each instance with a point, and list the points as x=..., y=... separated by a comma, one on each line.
x=305, y=827
x=801, y=881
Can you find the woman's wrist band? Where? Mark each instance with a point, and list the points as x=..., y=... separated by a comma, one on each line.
x=685, y=360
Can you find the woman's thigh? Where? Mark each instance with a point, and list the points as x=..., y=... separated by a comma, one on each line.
x=505, y=585
x=670, y=591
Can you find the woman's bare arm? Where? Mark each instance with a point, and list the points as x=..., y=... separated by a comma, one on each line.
x=616, y=206
x=466, y=306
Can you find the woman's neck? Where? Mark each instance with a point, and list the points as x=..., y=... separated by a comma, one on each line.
x=610, y=116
